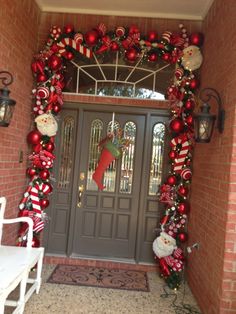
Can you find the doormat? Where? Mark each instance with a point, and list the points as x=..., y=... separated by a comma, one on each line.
x=100, y=277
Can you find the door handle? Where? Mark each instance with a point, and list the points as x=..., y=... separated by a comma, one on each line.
x=80, y=193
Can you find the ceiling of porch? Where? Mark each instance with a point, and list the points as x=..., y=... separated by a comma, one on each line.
x=184, y=9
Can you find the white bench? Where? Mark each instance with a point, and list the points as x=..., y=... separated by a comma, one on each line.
x=16, y=264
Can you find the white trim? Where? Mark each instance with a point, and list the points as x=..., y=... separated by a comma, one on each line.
x=57, y=9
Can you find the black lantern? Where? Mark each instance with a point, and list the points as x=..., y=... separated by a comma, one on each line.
x=6, y=104
x=204, y=121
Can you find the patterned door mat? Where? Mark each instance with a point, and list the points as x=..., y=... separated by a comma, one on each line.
x=100, y=277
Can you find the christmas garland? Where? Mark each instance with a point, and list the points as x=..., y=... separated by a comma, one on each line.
x=48, y=67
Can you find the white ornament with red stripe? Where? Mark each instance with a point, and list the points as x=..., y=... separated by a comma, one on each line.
x=179, y=72
x=42, y=92
x=78, y=38
x=186, y=174
x=120, y=31
x=167, y=36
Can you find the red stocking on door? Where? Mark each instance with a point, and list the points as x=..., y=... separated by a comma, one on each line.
x=105, y=159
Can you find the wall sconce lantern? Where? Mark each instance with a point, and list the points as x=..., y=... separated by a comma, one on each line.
x=6, y=104
x=204, y=121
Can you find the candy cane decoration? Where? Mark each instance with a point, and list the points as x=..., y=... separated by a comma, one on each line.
x=72, y=43
x=179, y=162
x=25, y=198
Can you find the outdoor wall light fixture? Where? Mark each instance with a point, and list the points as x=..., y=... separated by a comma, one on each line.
x=204, y=121
x=6, y=104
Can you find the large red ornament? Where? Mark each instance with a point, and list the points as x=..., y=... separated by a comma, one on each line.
x=189, y=105
x=166, y=56
x=68, y=29
x=194, y=83
x=131, y=54
x=114, y=46
x=189, y=120
x=44, y=174
x=56, y=108
x=49, y=146
x=183, y=208
x=152, y=36
x=171, y=180
x=41, y=78
x=69, y=55
x=182, y=237
x=54, y=62
x=34, y=137
x=91, y=38
x=31, y=172
x=196, y=39
x=183, y=191
x=172, y=154
x=176, y=125
x=152, y=57
x=44, y=203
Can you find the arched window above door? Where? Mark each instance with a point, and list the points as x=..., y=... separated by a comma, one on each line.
x=111, y=75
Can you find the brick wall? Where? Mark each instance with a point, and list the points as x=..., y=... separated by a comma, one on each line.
x=212, y=269
x=18, y=42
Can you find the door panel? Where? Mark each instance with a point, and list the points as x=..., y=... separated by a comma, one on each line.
x=106, y=223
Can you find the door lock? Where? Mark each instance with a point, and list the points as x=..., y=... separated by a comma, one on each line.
x=80, y=193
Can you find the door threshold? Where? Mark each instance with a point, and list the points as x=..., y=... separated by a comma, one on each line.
x=98, y=262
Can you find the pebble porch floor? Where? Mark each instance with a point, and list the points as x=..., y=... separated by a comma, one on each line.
x=66, y=299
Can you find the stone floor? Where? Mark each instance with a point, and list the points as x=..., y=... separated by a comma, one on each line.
x=66, y=299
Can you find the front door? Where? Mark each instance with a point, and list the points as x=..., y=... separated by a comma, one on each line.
x=118, y=222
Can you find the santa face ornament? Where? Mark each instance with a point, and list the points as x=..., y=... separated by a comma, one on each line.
x=46, y=124
x=164, y=245
x=192, y=58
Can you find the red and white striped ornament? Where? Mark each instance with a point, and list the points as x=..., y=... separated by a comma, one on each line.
x=179, y=72
x=179, y=161
x=120, y=31
x=102, y=29
x=167, y=36
x=43, y=92
x=78, y=38
x=186, y=174
x=72, y=43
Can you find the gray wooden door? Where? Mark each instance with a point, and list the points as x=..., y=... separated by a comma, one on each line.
x=106, y=221
x=120, y=221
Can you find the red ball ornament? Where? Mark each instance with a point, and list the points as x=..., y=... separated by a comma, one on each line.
x=152, y=36
x=189, y=120
x=35, y=242
x=189, y=105
x=196, y=39
x=69, y=55
x=34, y=137
x=131, y=54
x=44, y=174
x=49, y=146
x=114, y=46
x=31, y=172
x=91, y=38
x=152, y=57
x=56, y=108
x=54, y=62
x=172, y=154
x=182, y=237
x=183, y=191
x=183, y=208
x=41, y=78
x=171, y=180
x=194, y=84
x=166, y=57
x=68, y=29
x=44, y=203
x=176, y=125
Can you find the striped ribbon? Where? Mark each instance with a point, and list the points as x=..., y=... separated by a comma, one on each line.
x=72, y=43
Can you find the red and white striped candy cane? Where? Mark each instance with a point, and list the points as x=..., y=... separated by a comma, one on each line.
x=179, y=162
x=72, y=43
x=34, y=196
